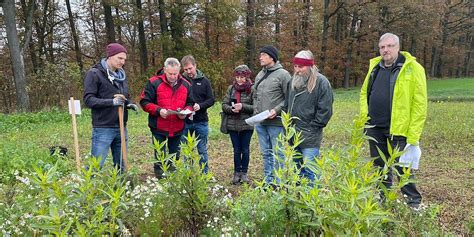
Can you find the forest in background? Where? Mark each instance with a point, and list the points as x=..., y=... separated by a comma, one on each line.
x=46, y=46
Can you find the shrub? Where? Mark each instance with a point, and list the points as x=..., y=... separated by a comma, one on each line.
x=189, y=201
x=45, y=202
x=344, y=200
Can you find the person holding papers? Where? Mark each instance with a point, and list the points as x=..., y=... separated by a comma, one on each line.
x=238, y=106
x=269, y=94
x=395, y=99
x=164, y=97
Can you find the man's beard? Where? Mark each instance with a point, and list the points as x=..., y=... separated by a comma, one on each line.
x=300, y=81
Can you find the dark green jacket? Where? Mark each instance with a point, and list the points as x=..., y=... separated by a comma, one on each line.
x=236, y=122
x=313, y=111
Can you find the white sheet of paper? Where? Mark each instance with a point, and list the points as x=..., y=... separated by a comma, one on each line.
x=186, y=111
x=181, y=112
x=411, y=157
x=256, y=119
x=77, y=107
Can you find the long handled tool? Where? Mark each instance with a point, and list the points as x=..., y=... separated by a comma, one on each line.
x=122, y=138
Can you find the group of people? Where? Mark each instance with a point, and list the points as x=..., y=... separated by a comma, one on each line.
x=306, y=95
x=393, y=96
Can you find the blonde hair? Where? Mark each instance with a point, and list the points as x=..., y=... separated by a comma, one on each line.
x=313, y=70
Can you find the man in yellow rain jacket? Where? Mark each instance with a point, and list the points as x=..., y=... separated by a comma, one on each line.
x=395, y=99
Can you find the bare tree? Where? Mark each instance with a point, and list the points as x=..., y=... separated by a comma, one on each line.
x=277, y=22
x=305, y=22
x=176, y=25
x=74, y=36
x=250, y=42
x=327, y=14
x=163, y=26
x=141, y=38
x=16, y=52
x=109, y=22
x=207, y=25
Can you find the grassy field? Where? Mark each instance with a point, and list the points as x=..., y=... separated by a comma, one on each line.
x=445, y=176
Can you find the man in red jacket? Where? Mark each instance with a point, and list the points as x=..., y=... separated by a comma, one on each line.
x=164, y=95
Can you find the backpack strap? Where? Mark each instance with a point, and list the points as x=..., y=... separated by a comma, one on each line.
x=264, y=77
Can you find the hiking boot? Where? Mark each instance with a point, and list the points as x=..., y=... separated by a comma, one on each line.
x=159, y=174
x=244, y=178
x=236, y=178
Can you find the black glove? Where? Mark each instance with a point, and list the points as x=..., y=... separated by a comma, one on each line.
x=133, y=107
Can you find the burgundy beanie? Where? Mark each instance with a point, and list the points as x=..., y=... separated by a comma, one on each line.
x=115, y=48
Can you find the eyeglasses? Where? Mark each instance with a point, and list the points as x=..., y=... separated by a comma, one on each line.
x=389, y=46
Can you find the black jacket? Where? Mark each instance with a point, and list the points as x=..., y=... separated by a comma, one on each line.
x=312, y=109
x=202, y=94
x=99, y=94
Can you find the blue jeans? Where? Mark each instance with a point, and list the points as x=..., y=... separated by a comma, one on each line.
x=104, y=139
x=267, y=138
x=241, y=144
x=201, y=131
x=308, y=159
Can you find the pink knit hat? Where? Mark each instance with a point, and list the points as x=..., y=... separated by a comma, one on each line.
x=115, y=48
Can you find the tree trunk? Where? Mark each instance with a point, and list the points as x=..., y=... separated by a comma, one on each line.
x=94, y=30
x=339, y=28
x=324, y=41
x=163, y=20
x=277, y=23
x=28, y=11
x=413, y=45
x=305, y=22
x=40, y=35
x=16, y=57
x=142, y=40
x=468, y=58
x=50, y=51
x=444, y=38
x=383, y=18
x=109, y=22
x=217, y=43
x=207, y=24
x=119, y=27
x=434, y=58
x=176, y=26
x=163, y=27
x=151, y=9
x=348, y=61
x=250, y=42
x=74, y=37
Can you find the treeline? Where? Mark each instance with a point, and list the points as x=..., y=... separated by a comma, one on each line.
x=46, y=46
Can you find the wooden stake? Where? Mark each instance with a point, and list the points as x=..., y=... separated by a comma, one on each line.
x=74, y=131
x=122, y=138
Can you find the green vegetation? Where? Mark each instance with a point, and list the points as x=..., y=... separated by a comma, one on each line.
x=444, y=175
x=461, y=89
